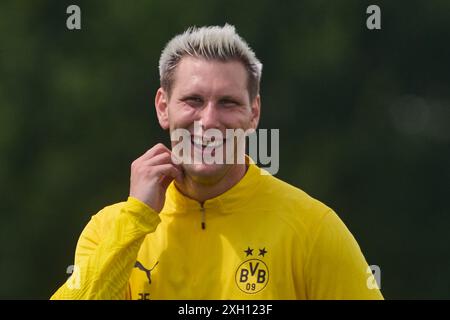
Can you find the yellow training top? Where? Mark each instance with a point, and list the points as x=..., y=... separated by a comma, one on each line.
x=261, y=239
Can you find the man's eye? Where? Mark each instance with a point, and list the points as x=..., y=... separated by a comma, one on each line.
x=228, y=103
x=194, y=101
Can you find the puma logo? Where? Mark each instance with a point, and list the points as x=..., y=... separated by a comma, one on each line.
x=147, y=271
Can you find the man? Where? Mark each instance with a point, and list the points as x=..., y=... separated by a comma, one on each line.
x=220, y=230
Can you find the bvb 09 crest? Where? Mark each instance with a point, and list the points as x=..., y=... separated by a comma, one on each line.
x=252, y=275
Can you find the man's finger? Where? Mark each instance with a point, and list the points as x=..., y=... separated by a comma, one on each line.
x=153, y=151
x=167, y=170
x=161, y=158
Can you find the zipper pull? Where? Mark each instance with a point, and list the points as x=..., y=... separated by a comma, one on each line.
x=202, y=210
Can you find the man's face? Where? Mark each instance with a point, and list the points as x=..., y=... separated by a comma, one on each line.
x=214, y=93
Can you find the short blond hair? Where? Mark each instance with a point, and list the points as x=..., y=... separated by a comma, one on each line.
x=211, y=43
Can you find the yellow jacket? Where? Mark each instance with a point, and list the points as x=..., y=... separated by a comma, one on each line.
x=262, y=239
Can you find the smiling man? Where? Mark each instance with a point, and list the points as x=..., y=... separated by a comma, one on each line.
x=213, y=230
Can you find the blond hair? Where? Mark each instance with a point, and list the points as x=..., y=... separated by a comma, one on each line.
x=211, y=43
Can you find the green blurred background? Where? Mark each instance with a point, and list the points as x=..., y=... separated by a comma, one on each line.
x=363, y=118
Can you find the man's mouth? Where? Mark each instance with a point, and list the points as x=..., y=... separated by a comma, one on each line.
x=203, y=142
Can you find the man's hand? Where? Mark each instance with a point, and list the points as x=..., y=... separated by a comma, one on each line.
x=151, y=174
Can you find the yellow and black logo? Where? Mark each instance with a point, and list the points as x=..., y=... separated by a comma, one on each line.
x=252, y=275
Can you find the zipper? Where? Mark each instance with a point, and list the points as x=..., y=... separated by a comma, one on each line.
x=203, y=220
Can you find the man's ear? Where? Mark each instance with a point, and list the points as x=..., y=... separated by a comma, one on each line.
x=162, y=110
x=256, y=110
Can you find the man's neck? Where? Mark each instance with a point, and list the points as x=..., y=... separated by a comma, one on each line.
x=201, y=191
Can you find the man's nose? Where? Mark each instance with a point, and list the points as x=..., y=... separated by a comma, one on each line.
x=209, y=116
